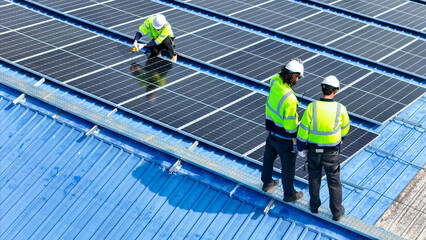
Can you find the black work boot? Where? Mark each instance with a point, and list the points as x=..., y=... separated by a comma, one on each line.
x=271, y=185
x=295, y=197
x=313, y=209
x=338, y=217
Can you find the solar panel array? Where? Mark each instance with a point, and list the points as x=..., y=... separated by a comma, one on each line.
x=254, y=56
x=405, y=13
x=226, y=114
x=332, y=30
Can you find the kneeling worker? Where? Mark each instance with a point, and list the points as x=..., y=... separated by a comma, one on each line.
x=161, y=35
x=323, y=126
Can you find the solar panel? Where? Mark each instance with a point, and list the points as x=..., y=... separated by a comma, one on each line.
x=254, y=56
x=404, y=13
x=210, y=109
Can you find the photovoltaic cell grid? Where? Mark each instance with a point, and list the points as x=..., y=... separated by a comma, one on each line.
x=378, y=44
x=401, y=12
x=253, y=56
x=4, y=3
x=208, y=108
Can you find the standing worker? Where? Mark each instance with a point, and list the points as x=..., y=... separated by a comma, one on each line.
x=161, y=35
x=324, y=125
x=281, y=122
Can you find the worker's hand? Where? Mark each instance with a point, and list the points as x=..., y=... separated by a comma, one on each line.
x=294, y=149
x=302, y=153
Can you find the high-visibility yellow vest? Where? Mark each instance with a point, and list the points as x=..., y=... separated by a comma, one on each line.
x=154, y=34
x=281, y=109
x=324, y=123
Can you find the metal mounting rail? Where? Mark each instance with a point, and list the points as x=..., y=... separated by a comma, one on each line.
x=240, y=177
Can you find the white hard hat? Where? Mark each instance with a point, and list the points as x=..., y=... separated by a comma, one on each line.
x=295, y=66
x=331, y=81
x=159, y=21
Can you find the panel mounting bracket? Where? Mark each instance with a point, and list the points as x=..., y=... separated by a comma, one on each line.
x=95, y=129
x=21, y=98
x=178, y=164
x=235, y=189
x=270, y=206
x=41, y=81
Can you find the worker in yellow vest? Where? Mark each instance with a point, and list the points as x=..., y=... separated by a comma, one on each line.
x=161, y=34
x=281, y=122
x=323, y=126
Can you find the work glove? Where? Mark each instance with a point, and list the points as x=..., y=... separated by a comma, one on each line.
x=302, y=153
x=135, y=46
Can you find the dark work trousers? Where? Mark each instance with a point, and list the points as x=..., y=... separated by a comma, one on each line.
x=167, y=45
x=277, y=146
x=329, y=159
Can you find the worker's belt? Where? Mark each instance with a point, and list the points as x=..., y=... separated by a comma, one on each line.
x=279, y=136
x=316, y=149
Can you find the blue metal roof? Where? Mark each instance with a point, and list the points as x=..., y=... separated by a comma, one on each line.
x=56, y=182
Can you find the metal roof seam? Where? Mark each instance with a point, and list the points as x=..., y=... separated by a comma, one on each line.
x=30, y=144
x=392, y=156
x=409, y=123
x=63, y=124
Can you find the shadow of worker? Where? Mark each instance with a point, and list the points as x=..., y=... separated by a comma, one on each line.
x=152, y=75
x=187, y=195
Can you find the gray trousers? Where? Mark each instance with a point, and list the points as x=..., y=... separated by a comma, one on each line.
x=329, y=159
x=277, y=146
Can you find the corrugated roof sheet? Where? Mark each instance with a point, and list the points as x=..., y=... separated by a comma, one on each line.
x=56, y=182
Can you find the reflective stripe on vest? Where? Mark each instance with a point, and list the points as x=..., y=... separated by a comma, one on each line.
x=279, y=124
x=277, y=112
